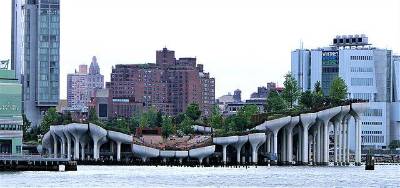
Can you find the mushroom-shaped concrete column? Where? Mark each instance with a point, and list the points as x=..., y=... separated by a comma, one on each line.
x=356, y=110
x=181, y=154
x=337, y=120
x=68, y=137
x=54, y=136
x=84, y=140
x=224, y=142
x=164, y=154
x=46, y=142
x=325, y=116
x=145, y=152
x=306, y=121
x=77, y=131
x=289, y=131
x=119, y=138
x=239, y=144
x=201, y=153
x=275, y=125
x=97, y=133
x=256, y=140
x=59, y=131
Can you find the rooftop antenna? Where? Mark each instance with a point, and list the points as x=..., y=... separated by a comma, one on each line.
x=301, y=44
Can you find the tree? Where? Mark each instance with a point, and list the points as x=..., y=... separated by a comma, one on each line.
x=193, y=111
x=149, y=118
x=67, y=119
x=93, y=118
x=318, y=89
x=159, y=119
x=275, y=102
x=318, y=96
x=243, y=117
x=338, y=90
x=216, y=119
x=291, y=92
x=167, y=127
x=307, y=99
x=26, y=124
x=186, y=125
x=50, y=118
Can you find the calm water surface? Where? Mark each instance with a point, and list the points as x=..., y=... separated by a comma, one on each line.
x=138, y=176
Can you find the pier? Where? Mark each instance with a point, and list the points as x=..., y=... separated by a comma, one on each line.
x=35, y=163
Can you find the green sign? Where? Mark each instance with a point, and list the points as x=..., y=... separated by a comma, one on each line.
x=10, y=99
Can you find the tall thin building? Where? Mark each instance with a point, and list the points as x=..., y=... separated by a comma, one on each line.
x=17, y=38
x=95, y=79
x=41, y=84
x=77, y=90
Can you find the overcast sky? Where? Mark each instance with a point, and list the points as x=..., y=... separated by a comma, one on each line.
x=243, y=44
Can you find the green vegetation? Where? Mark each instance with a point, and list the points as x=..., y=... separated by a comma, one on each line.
x=338, y=90
x=290, y=102
x=50, y=118
x=275, y=102
x=291, y=93
x=193, y=111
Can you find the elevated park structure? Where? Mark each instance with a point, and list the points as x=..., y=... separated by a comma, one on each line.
x=303, y=139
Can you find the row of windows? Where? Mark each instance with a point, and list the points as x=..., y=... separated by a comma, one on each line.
x=362, y=81
x=372, y=139
x=372, y=132
x=360, y=57
x=373, y=112
x=330, y=69
x=361, y=69
x=10, y=127
x=372, y=123
x=364, y=96
x=121, y=100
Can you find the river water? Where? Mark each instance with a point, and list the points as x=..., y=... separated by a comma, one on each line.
x=151, y=176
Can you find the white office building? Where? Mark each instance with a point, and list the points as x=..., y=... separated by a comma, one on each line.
x=370, y=73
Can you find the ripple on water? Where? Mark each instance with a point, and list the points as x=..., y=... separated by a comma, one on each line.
x=151, y=176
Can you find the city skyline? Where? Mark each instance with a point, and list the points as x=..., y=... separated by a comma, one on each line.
x=260, y=47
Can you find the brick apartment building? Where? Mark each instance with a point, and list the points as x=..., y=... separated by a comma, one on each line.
x=170, y=85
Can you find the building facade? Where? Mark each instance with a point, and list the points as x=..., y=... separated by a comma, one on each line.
x=100, y=103
x=95, y=78
x=17, y=38
x=41, y=54
x=170, y=85
x=368, y=74
x=82, y=86
x=10, y=113
x=77, y=90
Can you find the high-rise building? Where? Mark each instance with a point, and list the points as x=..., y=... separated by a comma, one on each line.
x=17, y=38
x=41, y=69
x=82, y=86
x=170, y=85
x=77, y=90
x=368, y=73
x=237, y=95
x=10, y=113
x=94, y=78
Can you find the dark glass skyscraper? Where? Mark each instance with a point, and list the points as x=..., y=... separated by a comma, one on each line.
x=41, y=57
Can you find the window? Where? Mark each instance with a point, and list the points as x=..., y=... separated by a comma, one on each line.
x=373, y=112
x=362, y=82
x=372, y=123
x=364, y=96
x=361, y=69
